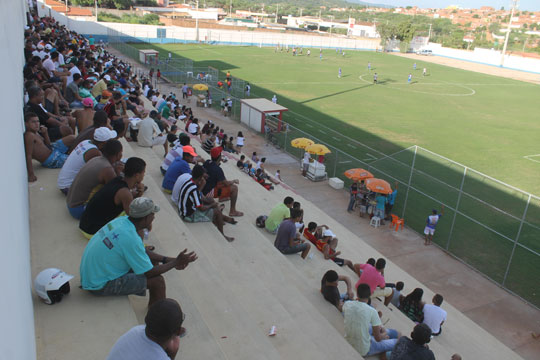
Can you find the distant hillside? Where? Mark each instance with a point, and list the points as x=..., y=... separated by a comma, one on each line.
x=360, y=2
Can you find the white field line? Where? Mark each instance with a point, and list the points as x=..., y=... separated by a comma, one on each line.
x=528, y=157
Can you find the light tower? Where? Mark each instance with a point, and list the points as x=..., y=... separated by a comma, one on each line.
x=514, y=7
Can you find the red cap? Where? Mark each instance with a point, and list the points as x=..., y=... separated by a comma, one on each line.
x=215, y=152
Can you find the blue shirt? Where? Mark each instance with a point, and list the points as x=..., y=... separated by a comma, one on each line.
x=161, y=106
x=178, y=167
x=381, y=201
x=111, y=253
x=392, y=197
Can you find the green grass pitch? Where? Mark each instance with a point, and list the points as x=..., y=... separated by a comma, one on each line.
x=487, y=123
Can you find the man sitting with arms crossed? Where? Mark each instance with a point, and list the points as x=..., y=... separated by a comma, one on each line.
x=150, y=134
x=113, y=198
x=91, y=178
x=217, y=185
x=279, y=213
x=330, y=291
x=159, y=339
x=38, y=146
x=115, y=261
x=195, y=208
x=374, y=277
x=288, y=240
x=363, y=326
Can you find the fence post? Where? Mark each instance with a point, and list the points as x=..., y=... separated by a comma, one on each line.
x=516, y=240
x=286, y=137
x=335, y=163
x=409, y=183
x=456, y=210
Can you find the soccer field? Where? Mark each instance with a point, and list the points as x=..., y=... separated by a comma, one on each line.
x=488, y=123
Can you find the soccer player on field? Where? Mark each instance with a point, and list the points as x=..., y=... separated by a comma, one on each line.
x=375, y=76
x=424, y=72
x=409, y=79
x=369, y=66
x=339, y=73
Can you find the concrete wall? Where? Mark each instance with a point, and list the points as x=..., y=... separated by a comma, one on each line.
x=17, y=337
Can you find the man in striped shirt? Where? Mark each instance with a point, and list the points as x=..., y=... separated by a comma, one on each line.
x=193, y=207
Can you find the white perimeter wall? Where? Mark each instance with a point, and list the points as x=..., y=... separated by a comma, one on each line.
x=17, y=337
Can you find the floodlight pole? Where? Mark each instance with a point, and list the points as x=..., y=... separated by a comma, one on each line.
x=429, y=34
x=197, y=23
x=514, y=6
x=95, y=3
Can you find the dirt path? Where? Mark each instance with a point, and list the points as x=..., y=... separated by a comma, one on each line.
x=481, y=68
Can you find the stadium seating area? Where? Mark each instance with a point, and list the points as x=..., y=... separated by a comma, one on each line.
x=234, y=293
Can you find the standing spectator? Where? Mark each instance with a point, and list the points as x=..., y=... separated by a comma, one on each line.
x=239, y=141
x=434, y=316
x=379, y=208
x=279, y=213
x=248, y=89
x=274, y=99
x=431, y=223
x=390, y=200
x=353, y=190
x=184, y=91
x=363, y=326
x=412, y=305
x=416, y=347
x=305, y=163
x=158, y=75
x=115, y=261
x=288, y=240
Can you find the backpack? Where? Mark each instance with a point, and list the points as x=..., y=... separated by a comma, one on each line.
x=260, y=222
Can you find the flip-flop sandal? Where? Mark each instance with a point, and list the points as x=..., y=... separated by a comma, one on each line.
x=237, y=214
x=150, y=247
x=183, y=332
x=232, y=222
x=221, y=207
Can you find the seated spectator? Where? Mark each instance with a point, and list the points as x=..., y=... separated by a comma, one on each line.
x=279, y=213
x=287, y=239
x=208, y=145
x=228, y=146
x=120, y=123
x=193, y=127
x=397, y=293
x=113, y=198
x=57, y=126
x=434, y=316
x=93, y=175
x=158, y=339
x=254, y=157
x=81, y=154
x=100, y=119
x=179, y=166
x=330, y=291
x=240, y=163
x=84, y=118
x=150, y=134
x=260, y=179
x=217, y=186
x=115, y=261
x=374, y=277
x=363, y=326
x=278, y=176
x=72, y=92
x=174, y=152
x=299, y=224
x=193, y=207
x=416, y=347
x=38, y=146
x=412, y=305
x=327, y=244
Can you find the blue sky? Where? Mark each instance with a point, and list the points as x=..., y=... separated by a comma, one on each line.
x=531, y=5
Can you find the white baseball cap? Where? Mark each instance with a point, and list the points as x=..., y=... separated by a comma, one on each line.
x=48, y=46
x=328, y=232
x=104, y=134
x=107, y=77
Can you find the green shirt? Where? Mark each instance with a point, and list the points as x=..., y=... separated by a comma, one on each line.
x=165, y=112
x=277, y=215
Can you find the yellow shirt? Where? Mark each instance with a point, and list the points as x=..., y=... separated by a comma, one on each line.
x=99, y=87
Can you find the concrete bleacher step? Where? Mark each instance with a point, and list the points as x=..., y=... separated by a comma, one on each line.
x=70, y=329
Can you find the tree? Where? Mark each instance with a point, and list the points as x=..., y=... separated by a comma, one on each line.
x=387, y=32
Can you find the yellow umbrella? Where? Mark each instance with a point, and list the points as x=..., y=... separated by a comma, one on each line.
x=318, y=149
x=200, y=87
x=301, y=143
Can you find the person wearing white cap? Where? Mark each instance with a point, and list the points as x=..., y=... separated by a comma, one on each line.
x=115, y=261
x=81, y=154
x=326, y=242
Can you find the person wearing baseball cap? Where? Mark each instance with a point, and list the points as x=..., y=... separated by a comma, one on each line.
x=179, y=166
x=116, y=262
x=217, y=185
x=100, y=86
x=81, y=154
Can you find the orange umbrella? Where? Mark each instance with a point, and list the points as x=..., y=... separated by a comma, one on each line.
x=378, y=186
x=358, y=174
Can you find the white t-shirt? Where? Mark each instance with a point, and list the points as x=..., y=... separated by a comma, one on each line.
x=433, y=317
x=306, y=157
x=175, y=196
x=154, y=99
x=359, y=317
x=49, y=66
x=173, y=153
x=148, y=130
x=240, y=141
x=73, y=164
x=135, y=345
x=74, y=70
x=192, y=128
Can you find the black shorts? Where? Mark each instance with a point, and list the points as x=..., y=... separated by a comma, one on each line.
x=339, y=261
x=118, y=125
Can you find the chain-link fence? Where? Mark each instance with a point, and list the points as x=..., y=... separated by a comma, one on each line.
x=492, y=226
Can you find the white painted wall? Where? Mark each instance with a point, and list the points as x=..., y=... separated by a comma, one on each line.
x=17, y=337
